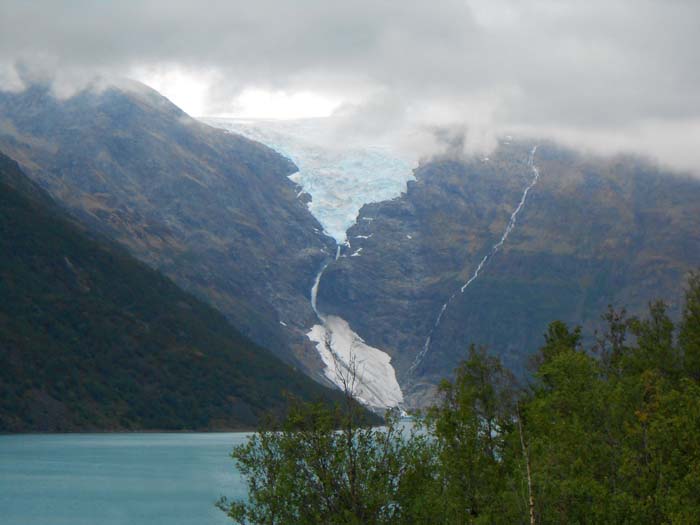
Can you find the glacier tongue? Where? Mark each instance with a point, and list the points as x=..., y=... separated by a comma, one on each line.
x=339, y=178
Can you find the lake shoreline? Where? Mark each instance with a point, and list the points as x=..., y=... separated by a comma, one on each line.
x=128, y=432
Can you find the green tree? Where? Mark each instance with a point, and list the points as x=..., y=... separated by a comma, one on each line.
x=331, y=465
x=611, y=345
x=567, y=441
x=655, y=348
x=470, y=426
x=615, y=440
x=689, y=337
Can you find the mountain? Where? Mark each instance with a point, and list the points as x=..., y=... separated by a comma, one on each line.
x=557, y=234
x=212, y=210
x=92, y=339
x=354, y=260
x=590, y=232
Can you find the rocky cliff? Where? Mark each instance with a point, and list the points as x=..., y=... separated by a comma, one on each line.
x=592, y=232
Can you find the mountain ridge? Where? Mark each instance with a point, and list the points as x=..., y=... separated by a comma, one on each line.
x=227, y=224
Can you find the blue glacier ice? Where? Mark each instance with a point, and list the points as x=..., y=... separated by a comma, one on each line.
x=340, y=178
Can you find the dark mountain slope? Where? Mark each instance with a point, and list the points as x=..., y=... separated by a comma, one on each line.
x=212, y=210
x=91, y=339
x=593, y=232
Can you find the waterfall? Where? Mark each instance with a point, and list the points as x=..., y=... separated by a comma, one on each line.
x=317, y=282
x=314, y=289
x=494, y=249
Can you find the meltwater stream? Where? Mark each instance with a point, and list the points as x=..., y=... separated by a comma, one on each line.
x=349, y=361
x=317, y=283
x=340, y=179
x=494, y=249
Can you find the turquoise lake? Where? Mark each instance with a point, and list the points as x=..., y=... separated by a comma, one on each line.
x=106, y=479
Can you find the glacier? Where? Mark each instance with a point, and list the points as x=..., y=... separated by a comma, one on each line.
x=340, y=178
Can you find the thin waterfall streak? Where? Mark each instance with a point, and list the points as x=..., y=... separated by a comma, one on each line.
x=494, y=249
x=317, y=283
x=476, y=273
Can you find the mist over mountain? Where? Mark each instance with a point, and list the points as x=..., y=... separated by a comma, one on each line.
x=609, y=77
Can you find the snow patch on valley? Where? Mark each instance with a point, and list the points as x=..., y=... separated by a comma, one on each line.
x=343, y=351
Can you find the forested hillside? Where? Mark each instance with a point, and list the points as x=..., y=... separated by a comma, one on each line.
x=91, y=339
x=212, y=210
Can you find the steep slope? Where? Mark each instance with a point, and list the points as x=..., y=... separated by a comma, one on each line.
x=212, y=210
x=593, y=232
x=91, y=339
x=340, y=175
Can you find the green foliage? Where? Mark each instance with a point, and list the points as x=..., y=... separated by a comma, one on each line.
x=689, y=337
x=469, y=427
x=325, y=465
x=606, y=440
x=655, y=349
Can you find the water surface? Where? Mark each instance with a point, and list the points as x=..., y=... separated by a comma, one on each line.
x=107, y=479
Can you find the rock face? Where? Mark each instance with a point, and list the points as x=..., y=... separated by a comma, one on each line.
x=92, y=339
x=219, y=215
x=212, y=210
x=593, y=232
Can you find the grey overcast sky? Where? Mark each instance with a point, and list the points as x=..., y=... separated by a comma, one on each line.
x=611, y=75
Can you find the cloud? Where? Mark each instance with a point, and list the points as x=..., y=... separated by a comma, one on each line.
x=600, y=74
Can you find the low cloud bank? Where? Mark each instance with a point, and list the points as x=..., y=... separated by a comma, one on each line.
x=597, y=75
